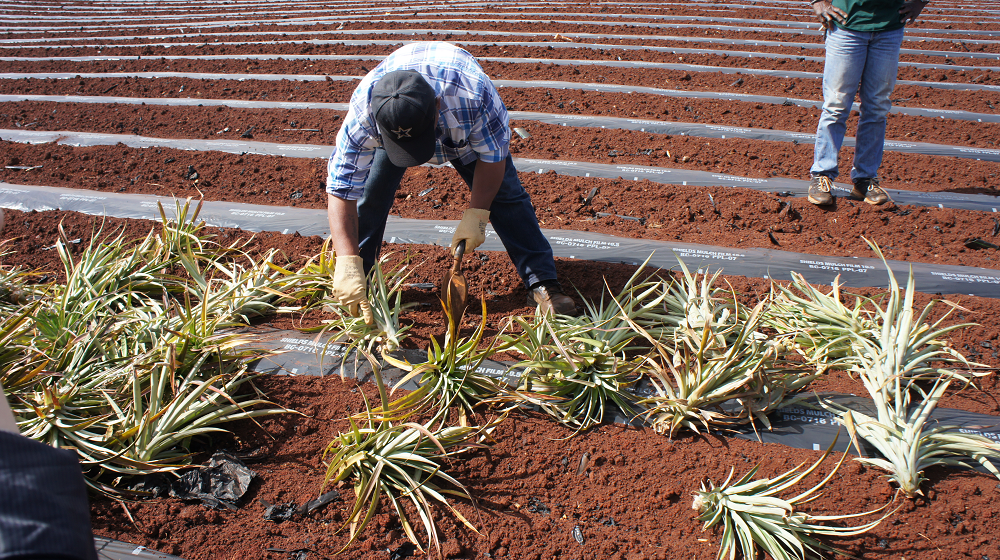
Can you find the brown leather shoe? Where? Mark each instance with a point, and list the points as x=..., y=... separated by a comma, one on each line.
x=548, y=296
x=869, y=191
x=819, y=190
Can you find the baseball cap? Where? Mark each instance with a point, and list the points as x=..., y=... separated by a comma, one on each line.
x=405, y=108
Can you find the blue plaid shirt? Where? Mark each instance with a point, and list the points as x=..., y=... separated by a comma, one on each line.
x=472, y=124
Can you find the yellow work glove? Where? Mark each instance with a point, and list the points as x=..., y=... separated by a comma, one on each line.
x=472, y=229
x=349, y=287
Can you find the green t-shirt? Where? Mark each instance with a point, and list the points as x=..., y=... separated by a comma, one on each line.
x=870, y=15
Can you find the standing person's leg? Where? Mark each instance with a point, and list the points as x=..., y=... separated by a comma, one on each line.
x=513, y=218
x=845, y=61
x=374, y=206
x=877, y=83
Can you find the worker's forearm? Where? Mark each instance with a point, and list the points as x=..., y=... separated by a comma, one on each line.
x=485, y=183
x=343, y=216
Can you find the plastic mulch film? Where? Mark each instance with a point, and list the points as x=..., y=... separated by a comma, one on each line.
x=804, y=425
x=642, y=125
x=110, y=549
x=525, y=17
x=685, y=177
x=965, y=86
x=582, y=86
x=584, y=245
x=543, y=44
x=289, y=37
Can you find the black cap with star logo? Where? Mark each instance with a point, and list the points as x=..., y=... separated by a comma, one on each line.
x=405, y=108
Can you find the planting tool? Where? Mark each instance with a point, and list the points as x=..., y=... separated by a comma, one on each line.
x=454, y=291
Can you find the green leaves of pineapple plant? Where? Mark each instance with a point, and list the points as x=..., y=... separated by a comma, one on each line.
x=450, y=375
x=576, y=367
x=385, y=294
x=756, y=519
x=899, y=365
x=712, y=354
x=386, y=454
x=127, y=361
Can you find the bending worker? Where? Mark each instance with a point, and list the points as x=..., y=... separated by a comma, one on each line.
x=863, y=38
x=431, y=102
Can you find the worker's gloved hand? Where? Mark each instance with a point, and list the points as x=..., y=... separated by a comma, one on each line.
x=472, y=229
x=349, y=287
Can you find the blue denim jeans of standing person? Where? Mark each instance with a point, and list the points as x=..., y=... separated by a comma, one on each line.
x=511, y=214
x=856, y=62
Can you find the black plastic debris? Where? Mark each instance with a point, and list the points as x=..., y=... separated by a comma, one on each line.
x=191, y=174
x=295, y=195
x=578, y=534
x=536, y=506
x=279, y=512
x=221, y=483
x=979, y=243
x=425, y=191
x=405, y=550
x=248, y=133
x=313, y=505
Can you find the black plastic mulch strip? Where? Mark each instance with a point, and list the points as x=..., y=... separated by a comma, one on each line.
x=580, y=86
x=584, y=245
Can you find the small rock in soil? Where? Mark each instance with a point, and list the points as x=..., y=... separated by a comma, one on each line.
x=296, y=194
x=986, y=344
x=169, y=160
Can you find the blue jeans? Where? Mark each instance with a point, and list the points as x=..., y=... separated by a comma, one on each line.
x=856, y=62
x=511, y=214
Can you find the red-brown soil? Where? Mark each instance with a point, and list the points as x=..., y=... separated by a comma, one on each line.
x=633, y=501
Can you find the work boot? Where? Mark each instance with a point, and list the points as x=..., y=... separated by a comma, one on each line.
x=548, y=295
x=869, y=191
x=819, y=190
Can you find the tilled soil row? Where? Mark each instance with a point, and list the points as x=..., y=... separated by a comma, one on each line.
x=801, y=88
x=721, y=216
x=793, y=59
x=983, y=75
x=490, y=275
x=931, y=23
x=744, y=157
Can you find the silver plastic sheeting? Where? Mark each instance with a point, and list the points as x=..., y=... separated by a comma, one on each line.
x=965, y=86
x=686, y=177
x=759, y=263
x=110, y=549
x=788, y=187
x=770, y=99
x=477, y=33
x=657, y=127
x=804, y=425
x=950, y=56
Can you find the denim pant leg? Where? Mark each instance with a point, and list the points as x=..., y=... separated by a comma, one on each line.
x=375, y=204
x=877, y=82
x=513, y=218
x=846, y=52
